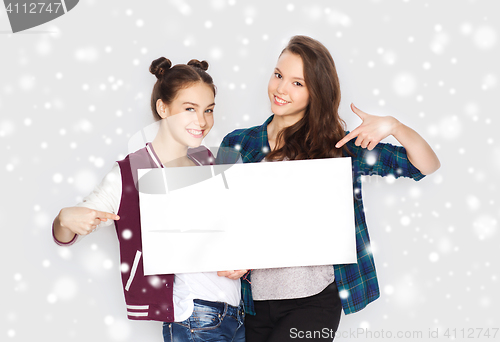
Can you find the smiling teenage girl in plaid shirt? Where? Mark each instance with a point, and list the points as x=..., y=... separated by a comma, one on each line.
x=304, y=92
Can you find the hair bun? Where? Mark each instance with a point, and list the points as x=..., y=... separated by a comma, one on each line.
x=203, y=65
x=159, y=66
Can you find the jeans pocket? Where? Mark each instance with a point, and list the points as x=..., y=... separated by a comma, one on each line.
x=201, y=319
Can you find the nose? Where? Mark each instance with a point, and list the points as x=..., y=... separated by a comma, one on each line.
x=281, y=89
x=200, y=119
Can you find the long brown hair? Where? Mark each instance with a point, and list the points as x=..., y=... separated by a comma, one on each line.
x=315, y=135
x=172, y=79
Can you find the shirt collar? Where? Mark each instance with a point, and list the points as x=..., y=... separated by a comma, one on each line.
x=157, y=161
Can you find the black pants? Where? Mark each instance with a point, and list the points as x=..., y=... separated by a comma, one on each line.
x=314, y=318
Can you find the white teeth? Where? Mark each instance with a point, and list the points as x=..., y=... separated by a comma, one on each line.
x=280, y=100
x=194, y=132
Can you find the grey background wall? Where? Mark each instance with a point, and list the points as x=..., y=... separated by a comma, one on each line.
x=74, y=91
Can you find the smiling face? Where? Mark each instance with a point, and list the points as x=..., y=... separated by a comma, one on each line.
x=189, y=117
x=287, y=89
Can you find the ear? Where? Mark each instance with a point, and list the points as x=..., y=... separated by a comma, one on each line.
x=162, y=109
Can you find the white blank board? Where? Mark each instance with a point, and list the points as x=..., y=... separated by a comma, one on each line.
x=262, y=215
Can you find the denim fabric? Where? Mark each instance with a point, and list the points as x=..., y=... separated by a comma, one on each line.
x=210, y=321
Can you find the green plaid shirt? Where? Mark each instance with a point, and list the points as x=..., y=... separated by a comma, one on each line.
x=357, y=283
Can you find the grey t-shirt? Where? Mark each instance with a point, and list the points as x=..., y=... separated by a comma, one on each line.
x=290, y=282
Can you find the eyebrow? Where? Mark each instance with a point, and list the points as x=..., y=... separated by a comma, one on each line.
x=296, y=78
x=196, y=105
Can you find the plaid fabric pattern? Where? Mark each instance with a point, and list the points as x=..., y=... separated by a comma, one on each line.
x=357, y=283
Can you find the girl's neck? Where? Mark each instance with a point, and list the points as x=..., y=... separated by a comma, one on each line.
x=170, y=152
x=276, y=125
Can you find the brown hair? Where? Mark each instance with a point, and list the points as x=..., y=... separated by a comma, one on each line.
x=315, y=135
x=172, y=79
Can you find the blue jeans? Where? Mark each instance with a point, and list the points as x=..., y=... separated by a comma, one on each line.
x=210, y=321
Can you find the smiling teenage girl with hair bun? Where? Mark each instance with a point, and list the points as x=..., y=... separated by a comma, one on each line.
x=192, y=306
